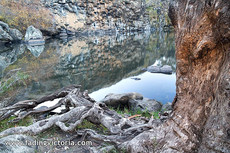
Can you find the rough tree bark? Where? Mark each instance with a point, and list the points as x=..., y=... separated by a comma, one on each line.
x=201, y=118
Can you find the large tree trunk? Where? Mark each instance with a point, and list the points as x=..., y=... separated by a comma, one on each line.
x=201, y=117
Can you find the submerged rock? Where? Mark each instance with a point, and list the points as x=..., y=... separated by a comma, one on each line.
x=136, y=79
x=10, y=56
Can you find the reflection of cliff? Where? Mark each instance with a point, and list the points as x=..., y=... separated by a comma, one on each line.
x=8, y=55
x=162, y=48
x=92, y=62
x=101, y=64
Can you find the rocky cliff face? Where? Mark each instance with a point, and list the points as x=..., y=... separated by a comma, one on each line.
x=66, y=17
x=93, y=15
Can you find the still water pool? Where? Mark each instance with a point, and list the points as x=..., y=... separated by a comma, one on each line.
x=154, y=86
x=101, y=65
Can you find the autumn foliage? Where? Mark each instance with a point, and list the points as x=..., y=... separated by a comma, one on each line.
x=22, y=13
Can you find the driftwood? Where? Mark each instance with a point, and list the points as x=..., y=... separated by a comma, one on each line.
x=120, y=129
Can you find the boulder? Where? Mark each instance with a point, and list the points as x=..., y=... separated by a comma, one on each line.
x=17, y=144
x=167, y=107
x=15, y=34
x=133, y=101
x=121, y=100
x=7, y=34
x=166, y=69
x=153, y=69
x=4, y=26
x=4, y=36
x=34, y=36
x=146, y=104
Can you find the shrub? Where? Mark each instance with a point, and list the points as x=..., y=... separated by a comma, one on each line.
x=22, y=13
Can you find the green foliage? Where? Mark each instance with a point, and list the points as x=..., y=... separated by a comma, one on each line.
x=152, y=13
x=122, y=112
x=158, y=18
x=116, y=151
x=156, y=115
x=88, y=125
x=144, y=113
x=5, y=124
x=148, y=114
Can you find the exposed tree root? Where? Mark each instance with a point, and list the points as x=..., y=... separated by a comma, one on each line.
x=120, y=129
x=28, y=105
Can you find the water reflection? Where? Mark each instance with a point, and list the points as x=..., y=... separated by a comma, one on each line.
x=154, y=86
x=9, y=55
x=93, y=62
x=36, y=50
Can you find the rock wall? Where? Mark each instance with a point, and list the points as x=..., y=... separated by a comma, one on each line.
x=115, y=16
x=121, y=15
x=66, y=17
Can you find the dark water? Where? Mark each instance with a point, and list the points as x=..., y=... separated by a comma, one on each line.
x=101, y=65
